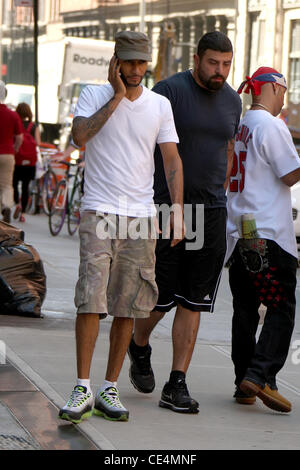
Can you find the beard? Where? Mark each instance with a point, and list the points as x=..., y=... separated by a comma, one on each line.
x=209, y=82
x=130, y=85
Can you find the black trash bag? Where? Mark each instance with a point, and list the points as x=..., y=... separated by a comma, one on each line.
x=6, y=292
x=22, y=276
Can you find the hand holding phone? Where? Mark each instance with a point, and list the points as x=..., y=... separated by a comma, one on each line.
x=114, y=76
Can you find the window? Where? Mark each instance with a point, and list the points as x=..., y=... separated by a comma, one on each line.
x=6, y=12
x=257, y=42
x=54, y=10
x=294, y=64
x=42, y=10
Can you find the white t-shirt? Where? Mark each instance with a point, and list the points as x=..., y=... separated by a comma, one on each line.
x=119, y=159
x=264, y=152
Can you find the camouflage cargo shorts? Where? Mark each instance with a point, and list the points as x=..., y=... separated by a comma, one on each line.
x=116, y=275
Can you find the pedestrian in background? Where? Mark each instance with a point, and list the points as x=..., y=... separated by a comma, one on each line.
x=119, y=124
x=263, y=264
x=25, y=159
x=206, y=112
x=11, y=137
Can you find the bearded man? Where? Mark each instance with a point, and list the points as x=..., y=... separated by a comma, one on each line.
x=206, y=113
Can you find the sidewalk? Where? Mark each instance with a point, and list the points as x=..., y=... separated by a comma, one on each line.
x=40, y=371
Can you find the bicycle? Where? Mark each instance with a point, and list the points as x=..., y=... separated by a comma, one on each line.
x=48, y=182
x=41, y=190
x=66, y=201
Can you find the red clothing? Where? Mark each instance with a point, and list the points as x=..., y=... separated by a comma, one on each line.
x=10, y=126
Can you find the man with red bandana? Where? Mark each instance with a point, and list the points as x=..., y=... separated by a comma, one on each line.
x=262, y=270
x=207, y=113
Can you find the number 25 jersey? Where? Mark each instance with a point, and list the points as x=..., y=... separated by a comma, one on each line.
x=264, y=152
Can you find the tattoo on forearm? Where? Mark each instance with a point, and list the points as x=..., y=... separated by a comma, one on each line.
x=175, y=185
x=171, y=176
x=173, y=171
x=86, y=128
x=230, y=146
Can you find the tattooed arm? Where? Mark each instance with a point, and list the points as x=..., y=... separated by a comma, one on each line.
x=84, y=128
x=174, y=177
x=230, y=152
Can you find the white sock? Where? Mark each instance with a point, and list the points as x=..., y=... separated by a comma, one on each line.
x=107, y=384
x=85, y=383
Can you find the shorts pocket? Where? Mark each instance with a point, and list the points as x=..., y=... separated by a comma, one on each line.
x=91, y=286
x=81, y=291
x=147, y=294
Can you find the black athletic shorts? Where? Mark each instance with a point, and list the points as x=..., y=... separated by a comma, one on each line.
x=191, y=277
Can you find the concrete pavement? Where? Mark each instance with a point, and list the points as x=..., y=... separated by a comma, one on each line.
x=40, y=371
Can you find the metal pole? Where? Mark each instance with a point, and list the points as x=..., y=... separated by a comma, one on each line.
x=36, y=73
x=142, y=15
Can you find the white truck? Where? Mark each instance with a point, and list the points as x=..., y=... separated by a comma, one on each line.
x=19, y=94
x=64, y=67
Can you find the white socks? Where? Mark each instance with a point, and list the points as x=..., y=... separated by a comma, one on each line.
x=85, y=383
x=107, y=384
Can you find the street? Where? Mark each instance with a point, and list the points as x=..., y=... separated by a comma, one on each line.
x=44, y=350
x=117, y=80
x=61, y=258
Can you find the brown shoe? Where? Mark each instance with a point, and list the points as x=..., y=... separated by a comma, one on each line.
x=243, y=398
x=271, y=398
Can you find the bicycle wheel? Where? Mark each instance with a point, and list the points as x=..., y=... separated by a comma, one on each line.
x=48, y=188
x=74, y=209
x=33, y=197
x=58, y=208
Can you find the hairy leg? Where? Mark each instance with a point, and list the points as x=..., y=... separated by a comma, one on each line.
x=120, y=336
x=184, y=335
x=144, y=327
x=87, y=329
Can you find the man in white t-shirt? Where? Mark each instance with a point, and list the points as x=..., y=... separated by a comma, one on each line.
x=262, y=269
x=119, y=123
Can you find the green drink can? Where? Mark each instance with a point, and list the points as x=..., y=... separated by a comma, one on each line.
x=249, y=229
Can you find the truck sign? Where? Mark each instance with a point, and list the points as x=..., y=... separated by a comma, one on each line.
x=67, y=65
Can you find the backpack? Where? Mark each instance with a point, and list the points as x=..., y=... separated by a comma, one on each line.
x=27, y=153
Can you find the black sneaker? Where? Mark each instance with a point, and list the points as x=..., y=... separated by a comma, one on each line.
x=140, y=371
x=176, y=397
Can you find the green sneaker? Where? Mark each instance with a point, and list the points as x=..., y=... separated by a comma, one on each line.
x=79, y=406
x=108, y=405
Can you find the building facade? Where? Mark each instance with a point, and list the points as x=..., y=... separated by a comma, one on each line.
x=263, y=32
x=268, y=33
x=173, y=26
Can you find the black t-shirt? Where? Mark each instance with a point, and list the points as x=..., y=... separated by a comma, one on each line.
x=205, y=122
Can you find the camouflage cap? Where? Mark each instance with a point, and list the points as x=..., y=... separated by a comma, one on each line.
x=132, y=45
